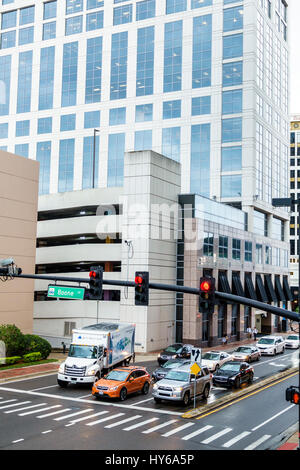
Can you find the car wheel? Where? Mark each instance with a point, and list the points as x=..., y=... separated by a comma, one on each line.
x=274, y=352
x=145, y=388
x=157, y=400
x=186, y=399
x=206, y=392
x=250, y=380
x=237, y=383
x=123, y=394
x=62, y=383
x=282, y=352
x=258, y=358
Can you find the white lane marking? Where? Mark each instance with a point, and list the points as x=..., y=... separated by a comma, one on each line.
x=7, y=401
x=139, y=402
x=84, y=396
x=94, y=402
x=195, y=433
x=55, y=412
x=236, y=439
x=272, y=417
x=46, y=432
x=216, y=436
x=126, y=420
x=23, y=408
x=88, y=417
x=18, y=440
x=160, y=426
x=180, y=428
x=258, y=442
x=38, y=411
x=15, y=404
x=73, y=414
x=104, y=419
x=43, y=388
x=134, y=426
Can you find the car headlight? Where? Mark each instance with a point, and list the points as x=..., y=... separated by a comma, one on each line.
x=178, y=389
x=114, y=388
x=155, y=386
x=91, y=371
x=61, y=369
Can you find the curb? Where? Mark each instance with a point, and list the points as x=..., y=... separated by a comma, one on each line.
x=31, y=374
x=234, y=395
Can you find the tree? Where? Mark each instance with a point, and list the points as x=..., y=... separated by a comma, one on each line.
x=13, y=339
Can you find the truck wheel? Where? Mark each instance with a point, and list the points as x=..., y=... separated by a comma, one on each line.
x=123, y=394
x=186, y=399
x=145, y=388
x=62, y=383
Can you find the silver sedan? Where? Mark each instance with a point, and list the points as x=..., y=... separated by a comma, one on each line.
x=246, y=354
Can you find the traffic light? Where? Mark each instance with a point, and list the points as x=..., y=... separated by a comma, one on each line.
x=141, y=288
x=207, y=294
x=96, y=279
x=292, y=395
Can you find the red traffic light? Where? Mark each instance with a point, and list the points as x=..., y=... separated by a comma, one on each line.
x=296, y=397
x=93, y=274
x=205, y=286
x=139, y=280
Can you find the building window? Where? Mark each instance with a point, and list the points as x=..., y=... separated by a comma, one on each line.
x=233, y=19
x=200, y=105
x=67, y=122
x=200, y=159
x=93, y=70
x=22, y=128
x=202, y=50
x=208, y=244
x=8, y=39
x=232, y=158
x=145, y=9
x=4, y=130
x=92, y=4
x=22, y=150
x=43, y=156
x=234, y=319
x=143, y=112
x=115, y=165
x=268, y=254
x=69, y=74
x=248, y=251
x=47, y=60
x=143, y=140
x=221, y=320
x=5, y=69
x=66, y=165
x=118, y=80
x=223, y=246
x=174, y=6
x=73, y=6
x=88, y=162
x=173, y=56
x=123, y=14
x=232, y=74
x=24, y=82
x=258, y=258
x=50, y=10
x=91, y=119
x=49, y=30
x=232, y=102
x=117, y=116
x=145, y=61
x=236, y=249
x=94, y=21
x=200, y=3
x=172, y=109
x=26, y=35
x=231, y=186
x=44, y=125
x=171, y=143
x=73, y=25
x=9, y=19
x=233, y=46
x=231, y=130
x=68, y=327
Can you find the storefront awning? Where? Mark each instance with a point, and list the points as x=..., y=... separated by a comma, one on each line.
x=279, y=289
x=272, y=297
x=260, y=289
x=286, y=289
x=237, y=287
x=249, y=287
x=223, y=285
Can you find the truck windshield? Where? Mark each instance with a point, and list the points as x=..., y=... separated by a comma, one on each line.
x=87, y=352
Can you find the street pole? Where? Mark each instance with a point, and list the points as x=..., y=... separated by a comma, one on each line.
x=94, y=158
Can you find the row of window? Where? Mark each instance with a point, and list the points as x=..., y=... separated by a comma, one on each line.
x=263, y=254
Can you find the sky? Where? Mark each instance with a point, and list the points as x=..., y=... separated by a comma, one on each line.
x=294, y=59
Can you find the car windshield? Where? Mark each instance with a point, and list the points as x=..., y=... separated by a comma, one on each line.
x=293, y=337
x=243, y=350
x=211, y=356
x=86, y=352
x=178, y=375
x=230, y=366
x=119, y=375
x=266, y=341
x=173, y=348
x=171, y=364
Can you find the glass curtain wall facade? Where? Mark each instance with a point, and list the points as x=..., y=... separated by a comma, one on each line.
x=154, y=62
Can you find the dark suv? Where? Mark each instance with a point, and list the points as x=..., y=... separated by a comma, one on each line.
x=175, y=351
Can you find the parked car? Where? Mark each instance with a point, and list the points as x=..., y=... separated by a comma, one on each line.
x=246, y=354
x=175, y=351
x=271, y=345
x=214, y=359
x=122, y=381
x=233, y=374
x=179, y=385
x=162, y=371
x=292, y=341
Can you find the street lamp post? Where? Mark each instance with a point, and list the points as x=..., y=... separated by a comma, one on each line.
x=289, y=202
x=94, y=157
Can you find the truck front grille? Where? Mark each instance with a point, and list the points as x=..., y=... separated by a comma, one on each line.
x=75, y=371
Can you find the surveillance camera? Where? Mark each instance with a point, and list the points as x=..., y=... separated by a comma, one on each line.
x=6, y=262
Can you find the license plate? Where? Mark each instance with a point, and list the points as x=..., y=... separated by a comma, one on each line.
x=100, y=393
x=74, y=379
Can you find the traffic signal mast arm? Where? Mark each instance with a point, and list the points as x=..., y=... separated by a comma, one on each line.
x=281, y=312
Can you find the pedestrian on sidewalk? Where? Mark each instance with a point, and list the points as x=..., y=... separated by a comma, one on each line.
x=255, y=331
x=64, y=347
x=225, y=340
x=249, y=332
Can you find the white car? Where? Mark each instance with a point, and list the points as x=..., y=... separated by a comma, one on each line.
x=214, y=359
x=292, y=341
x=271, y=345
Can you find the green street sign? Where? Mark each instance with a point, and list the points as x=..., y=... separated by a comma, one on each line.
x=66, y=292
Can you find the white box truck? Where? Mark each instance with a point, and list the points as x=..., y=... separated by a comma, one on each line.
x=94, y=350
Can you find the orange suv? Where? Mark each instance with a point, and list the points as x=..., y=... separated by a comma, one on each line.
x=120, y=382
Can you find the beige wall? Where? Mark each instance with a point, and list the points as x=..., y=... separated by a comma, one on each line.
x=18, y=213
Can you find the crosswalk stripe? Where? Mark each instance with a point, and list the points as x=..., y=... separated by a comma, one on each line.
x=134, y=426
x=104, y=419
x=16, y=404
x=195, y=433
x=160, y=426
x=123, y=421
x=88, y=417
x=180, y=428
x=258, y=442
x=73, y=414
x=216, y=436
x=23, y=408
x=38, y=411
x=7, y=401
x=54, y=412
x=236, y=439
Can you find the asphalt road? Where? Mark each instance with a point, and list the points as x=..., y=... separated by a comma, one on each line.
x=37, y=414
